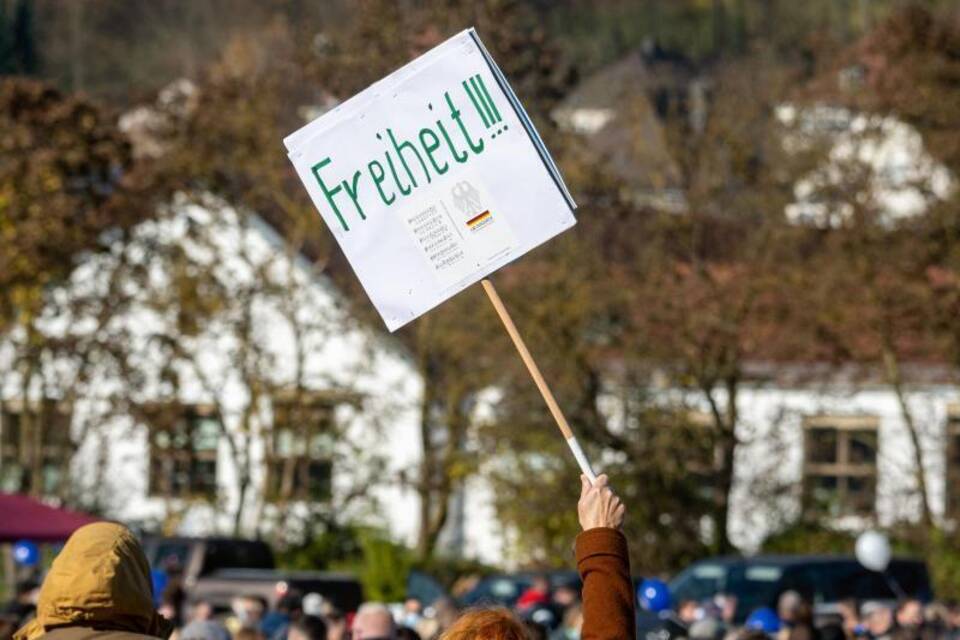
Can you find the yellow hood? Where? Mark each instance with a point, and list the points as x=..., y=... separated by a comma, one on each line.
x=100, y=579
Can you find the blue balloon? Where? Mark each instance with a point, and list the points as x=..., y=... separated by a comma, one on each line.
x=159, y=579
x=764, y=619
x=26, y=553
x=654, y=595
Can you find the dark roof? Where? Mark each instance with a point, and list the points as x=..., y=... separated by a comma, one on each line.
x=631, y=141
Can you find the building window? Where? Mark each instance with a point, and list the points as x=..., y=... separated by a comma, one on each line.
x=35, y=448
x=299, y=464
x=953, y=461
x=183, y=451
x=840, y=465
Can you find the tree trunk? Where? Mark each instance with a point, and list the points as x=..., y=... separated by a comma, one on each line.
x=895, y=379
x=725, y=422
x=722, y=543
x=427, y=464
x=243, y=486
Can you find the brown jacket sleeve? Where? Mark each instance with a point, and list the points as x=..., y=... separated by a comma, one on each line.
x=608, y=599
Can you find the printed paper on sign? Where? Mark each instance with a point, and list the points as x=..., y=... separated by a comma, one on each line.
x=431, y=179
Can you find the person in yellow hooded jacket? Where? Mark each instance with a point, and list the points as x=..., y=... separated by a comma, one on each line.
x=98, y=588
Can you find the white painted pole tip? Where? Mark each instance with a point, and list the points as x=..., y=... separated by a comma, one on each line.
x=581, y=459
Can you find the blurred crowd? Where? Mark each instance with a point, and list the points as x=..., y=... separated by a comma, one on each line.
x=548, y=614
x=100, y=587
x=796, y=619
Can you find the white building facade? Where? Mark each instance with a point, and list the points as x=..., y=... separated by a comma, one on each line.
x=238, y=359
x=844, y=452
x=279, y=380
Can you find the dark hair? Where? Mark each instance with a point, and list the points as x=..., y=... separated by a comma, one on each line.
x=291, y=601
x=26, y=586
x=832, y=631
x=312, y=627
x=536, y=630
x=256, y=597
x=406, y=633
x=751, y=634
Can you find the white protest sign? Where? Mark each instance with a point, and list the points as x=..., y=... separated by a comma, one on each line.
x=431, y=179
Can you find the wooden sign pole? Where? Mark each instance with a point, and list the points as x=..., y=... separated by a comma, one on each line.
x=538, y=379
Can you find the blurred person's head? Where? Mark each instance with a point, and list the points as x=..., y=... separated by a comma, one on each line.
x=687, y=611
x=495, y=623
x=793, y=609
x=936, y=616
x=199, y=609
x=412, y=612
x=291, y=604
x=540, y=584
x=248, y=633
x=27, y=592
x=445, y=613
x=727, y=604
x=204, y=630
x=336, y=622
x=910, y=614
x=171, y=565
x=373, y=620
x=707, y=629
x=99, y=579
x=249, y=610
x=832, y=631
x=536, y=630
x=406, y=633
x=878, y=618
x=952, y=613
x=565, y=596
x=748, y=634
x=849, y=614
x=307, y=628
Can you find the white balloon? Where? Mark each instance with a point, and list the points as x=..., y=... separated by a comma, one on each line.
x=873, y=550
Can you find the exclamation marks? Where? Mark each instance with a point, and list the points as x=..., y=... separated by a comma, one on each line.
x=483, y=103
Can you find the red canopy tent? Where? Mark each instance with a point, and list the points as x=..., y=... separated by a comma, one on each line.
x=25, y=518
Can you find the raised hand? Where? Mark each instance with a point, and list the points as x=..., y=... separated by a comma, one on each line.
x=599, y=506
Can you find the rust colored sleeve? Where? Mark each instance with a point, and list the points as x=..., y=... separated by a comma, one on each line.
x=608, y=598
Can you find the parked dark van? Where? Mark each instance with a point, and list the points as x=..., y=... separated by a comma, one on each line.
x=825, y=580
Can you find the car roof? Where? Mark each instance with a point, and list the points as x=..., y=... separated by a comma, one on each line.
x=280, y=574
x=789, y=560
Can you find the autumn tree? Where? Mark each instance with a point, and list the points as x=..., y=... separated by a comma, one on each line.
x=894, y=263
x=68, y=186
x=574, y=314
x=704, y=286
